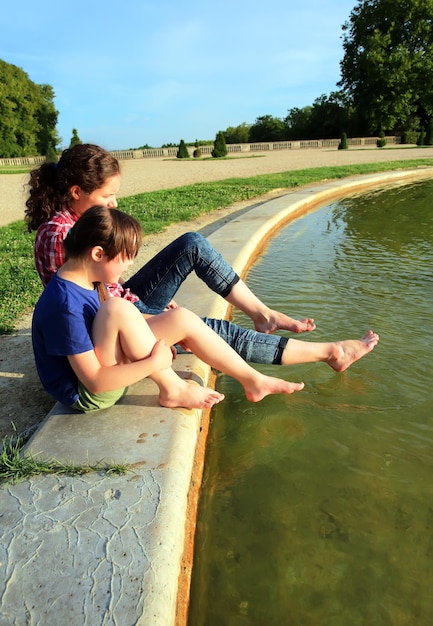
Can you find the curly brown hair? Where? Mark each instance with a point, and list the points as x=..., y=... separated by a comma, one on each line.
x=85, y=165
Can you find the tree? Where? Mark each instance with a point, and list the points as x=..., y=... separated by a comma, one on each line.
x=267, y=128
x=47, y=137
x=75, y=140
x=220, y=148
x=28, y=117
x=197, y=152
x=51, y=156
x=381, y=140
x=387, y=69
x=428, y=141
x=331, y=115
x=237, y=134
x=421, y=138
x=182, y=152
x=298, y=123
x=343, y=145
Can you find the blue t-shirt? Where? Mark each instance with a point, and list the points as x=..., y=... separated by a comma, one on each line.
x=62, y=322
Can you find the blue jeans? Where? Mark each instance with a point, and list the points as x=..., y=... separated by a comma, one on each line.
x=157, y=282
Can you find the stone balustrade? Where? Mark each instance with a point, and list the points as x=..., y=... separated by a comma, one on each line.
x=154, y=153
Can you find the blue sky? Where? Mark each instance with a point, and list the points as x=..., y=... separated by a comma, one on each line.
x=138, y=72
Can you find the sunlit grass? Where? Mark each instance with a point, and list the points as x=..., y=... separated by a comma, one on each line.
x=15, y=169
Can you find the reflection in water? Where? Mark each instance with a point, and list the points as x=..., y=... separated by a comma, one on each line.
x=317, y=508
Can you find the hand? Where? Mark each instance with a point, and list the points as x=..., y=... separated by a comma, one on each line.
x=171, y=305
x=162, y=355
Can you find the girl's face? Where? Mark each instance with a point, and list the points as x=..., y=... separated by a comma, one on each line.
x=103, y=196
x=112, y=270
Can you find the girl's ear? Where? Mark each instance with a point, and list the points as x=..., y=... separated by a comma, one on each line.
x=97, y=254
x=76, y=192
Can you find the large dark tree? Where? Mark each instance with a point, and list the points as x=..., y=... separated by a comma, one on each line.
x=267, y=128
x=28, y=117
x=327, y=118
x=298, y=123
x=47, y=137
x=331, y=115
x=387, y=69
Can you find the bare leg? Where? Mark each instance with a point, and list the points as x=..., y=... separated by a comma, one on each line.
x=265, y=320
x=337, y=354
x=181, y=324
x=121, y=335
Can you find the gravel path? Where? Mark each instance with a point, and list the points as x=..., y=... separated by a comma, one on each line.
x=140, y=175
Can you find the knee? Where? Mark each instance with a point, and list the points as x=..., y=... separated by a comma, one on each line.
x=193, y=240
x=183, y=316
x=118, y=307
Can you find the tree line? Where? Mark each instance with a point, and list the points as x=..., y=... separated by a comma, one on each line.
x=386, y=86
x=327, y=118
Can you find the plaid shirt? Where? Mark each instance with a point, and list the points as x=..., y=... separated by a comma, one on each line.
x=50, y=255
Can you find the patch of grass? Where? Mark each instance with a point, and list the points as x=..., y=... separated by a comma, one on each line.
x=16, y=466
x=20, y=286
x=15, y=169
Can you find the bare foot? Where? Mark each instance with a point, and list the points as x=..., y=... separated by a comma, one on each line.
x=267, y=385
x=271, y=321
x=349, y=351
x=189, y=395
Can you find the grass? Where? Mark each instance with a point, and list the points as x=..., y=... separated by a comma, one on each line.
x=20, y=286
x=15, y=466
x=15, y=169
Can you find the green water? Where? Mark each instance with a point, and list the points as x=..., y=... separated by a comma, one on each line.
x=317, y=508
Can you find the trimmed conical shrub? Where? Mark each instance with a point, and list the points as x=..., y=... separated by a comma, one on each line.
x=182, y=152
x=381, y=141
x=343, y=145
x=220, y=148
x=197, y=152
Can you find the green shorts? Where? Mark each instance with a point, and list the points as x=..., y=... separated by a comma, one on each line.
x=88, y=401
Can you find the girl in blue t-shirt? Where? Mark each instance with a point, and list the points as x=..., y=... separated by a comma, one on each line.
x=87, y=353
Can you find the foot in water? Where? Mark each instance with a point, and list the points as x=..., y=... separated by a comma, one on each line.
x=347, y=352
x=271, y=321
x=264, y=386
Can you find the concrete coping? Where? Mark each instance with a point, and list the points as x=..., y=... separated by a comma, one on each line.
x=106, y=549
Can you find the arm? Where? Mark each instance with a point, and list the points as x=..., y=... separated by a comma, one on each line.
x=98, y=378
